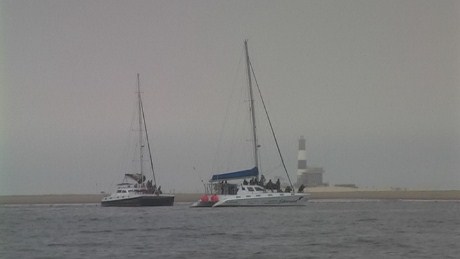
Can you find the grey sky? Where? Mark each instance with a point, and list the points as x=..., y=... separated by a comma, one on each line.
x=372, y=85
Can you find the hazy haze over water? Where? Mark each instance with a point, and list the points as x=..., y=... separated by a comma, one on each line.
x=372, y=85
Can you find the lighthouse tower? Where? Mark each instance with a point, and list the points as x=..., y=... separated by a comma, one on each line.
x=307, y=175
x=302, y=157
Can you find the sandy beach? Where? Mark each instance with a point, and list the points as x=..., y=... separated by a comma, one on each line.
x=75, y=198
x=391, y=195
x=191, y=197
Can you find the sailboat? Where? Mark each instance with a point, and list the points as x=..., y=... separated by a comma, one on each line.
x=220, y=193
x=135, y=191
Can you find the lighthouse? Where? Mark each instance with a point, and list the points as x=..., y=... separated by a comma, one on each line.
x=301, y=157
x=306, y=175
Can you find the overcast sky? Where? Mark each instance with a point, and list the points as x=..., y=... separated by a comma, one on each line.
x=373, y=86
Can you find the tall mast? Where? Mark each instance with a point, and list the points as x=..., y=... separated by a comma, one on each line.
x=251, y=106
x=141, y=142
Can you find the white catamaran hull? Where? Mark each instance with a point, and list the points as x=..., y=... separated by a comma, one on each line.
x=253, y=200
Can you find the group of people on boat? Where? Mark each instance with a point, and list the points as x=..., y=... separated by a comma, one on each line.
x=261, y=182
x=152, y=188
x=270, y=185
x=225, y=188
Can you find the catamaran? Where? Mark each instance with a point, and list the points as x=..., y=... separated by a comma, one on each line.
x=135, y=191
x=220, y=193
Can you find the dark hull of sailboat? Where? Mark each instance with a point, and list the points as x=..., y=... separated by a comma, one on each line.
x=140, y=201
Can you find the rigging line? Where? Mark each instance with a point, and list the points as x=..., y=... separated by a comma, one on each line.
x=271, y=126
x=201, y=179
x=148, y=143
x=130, y=145
x=226, y=131
x=126, y=165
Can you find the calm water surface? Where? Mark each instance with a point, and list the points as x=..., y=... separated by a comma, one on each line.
x=332, y=229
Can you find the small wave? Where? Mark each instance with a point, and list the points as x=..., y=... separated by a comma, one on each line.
x=181, y=228
x=95, y=244
x=95, y=231
x=127, y=229
x=367, y=220
x=434, y=221
x=57, y=245
x=366, y=241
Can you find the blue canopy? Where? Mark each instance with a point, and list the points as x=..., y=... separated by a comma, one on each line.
x=235, y=175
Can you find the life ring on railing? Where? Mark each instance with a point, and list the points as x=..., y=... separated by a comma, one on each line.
x=214, y=198
x=204, y=198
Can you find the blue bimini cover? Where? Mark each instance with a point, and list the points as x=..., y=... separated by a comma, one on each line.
x=235, y=175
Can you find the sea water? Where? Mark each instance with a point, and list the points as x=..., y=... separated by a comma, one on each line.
x=328, y=229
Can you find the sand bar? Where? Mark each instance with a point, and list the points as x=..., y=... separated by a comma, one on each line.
x=191, y=197
x=395, y=195
x=74, y=198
